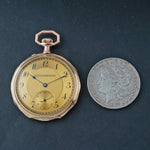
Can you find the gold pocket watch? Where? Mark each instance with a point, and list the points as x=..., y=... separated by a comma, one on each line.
x=45, y=86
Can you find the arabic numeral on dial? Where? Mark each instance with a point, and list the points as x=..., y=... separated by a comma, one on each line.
x=56, y=66
x=65, y=96
x=33, y=66
x=22, y=84
x=56, y=104
x=25, y=74
x=45, y=63
x=33, y=103
x=24, y=96
x=66, y=73
x=68, y=85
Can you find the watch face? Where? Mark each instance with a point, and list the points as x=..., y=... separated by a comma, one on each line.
x=45, y=85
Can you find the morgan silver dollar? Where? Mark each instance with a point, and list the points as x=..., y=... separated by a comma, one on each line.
x=113, y=83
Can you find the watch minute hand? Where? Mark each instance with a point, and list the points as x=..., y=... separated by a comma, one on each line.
x=56, y=79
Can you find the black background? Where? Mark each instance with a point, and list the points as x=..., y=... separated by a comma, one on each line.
x=90, y=31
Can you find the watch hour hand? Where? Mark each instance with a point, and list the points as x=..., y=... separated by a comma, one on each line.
x=34, y=77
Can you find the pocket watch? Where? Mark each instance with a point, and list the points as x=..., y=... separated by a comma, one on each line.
x=45, y=86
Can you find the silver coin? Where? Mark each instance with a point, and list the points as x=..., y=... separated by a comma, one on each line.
x=113, y=83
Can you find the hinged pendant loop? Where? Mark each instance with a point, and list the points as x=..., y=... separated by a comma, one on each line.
x=47, y=42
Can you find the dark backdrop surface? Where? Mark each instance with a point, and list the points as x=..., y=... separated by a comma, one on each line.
x=90, y=31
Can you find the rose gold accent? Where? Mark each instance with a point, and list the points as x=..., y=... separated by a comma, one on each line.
x=47, y=42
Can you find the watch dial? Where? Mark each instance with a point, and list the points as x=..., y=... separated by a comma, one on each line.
x=45, y=85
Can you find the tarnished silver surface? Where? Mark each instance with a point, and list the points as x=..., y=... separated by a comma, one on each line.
x=113, y=83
